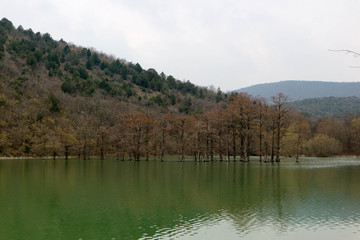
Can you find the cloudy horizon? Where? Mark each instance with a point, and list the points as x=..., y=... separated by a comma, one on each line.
x=228, y=44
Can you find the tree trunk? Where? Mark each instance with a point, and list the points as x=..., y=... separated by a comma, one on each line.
x=248, y=142
x=260, y=134
x=182, y=152
x=227, y=150
x=260, y=144
x=298, y=146
x=162, y=155
x=147, y=152
x=245, y=149
x=155, y=150
x=278, y=141
x=163, y=141
x=272, y=145
x=234, y=146
x=211, y=149
x=102, y=153
x=137, y=152
x=266, y=152
x=44, y=149
x=220, y=145
x=206, y=158
x=182, y=141
x=147, y=143
x=79, y=153
x=66, y=152
x=84, y=152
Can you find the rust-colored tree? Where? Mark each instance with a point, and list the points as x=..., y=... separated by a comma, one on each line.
x=281, y=120
x=181, y=130
x=262, y=114
x=164, y=132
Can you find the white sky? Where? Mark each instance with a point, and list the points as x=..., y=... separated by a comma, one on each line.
x=228, y=44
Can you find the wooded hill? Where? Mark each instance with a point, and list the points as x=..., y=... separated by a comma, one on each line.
x=328, y=107
x=45, y=82
x=314, y=98
x=58, y=99
x=299, y=90
x=33, y=61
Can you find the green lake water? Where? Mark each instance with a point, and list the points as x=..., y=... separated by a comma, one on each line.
x=87, y=200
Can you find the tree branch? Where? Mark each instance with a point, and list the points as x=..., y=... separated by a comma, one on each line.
x=355, y=54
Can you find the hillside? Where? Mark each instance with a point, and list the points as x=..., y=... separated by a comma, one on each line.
x=299, y=90
x=327, y=106
x=33, y=65
x=59, y=99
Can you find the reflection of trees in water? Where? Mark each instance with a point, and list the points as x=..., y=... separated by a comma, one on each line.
x=127, y=199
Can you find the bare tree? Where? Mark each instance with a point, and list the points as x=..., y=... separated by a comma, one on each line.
x=281, y=117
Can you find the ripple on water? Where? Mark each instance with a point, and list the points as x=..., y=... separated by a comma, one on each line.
x=314, y=163
x=217, y=201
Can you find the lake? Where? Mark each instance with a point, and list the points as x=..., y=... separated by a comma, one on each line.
x=318, y=198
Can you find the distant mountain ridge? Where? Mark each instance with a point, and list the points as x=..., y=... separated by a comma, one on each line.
x=300, y=90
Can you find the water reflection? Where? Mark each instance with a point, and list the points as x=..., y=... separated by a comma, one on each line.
x=45, y=199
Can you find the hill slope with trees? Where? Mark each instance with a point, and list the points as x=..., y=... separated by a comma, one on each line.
x=327, y=107
x=300, y=90
x=30, y=61
x=56, y=95
x=58, y=99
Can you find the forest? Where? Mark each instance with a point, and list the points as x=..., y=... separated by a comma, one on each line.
x=327, y=106
x=61, y=100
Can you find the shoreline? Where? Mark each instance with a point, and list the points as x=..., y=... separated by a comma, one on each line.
x=95, y=157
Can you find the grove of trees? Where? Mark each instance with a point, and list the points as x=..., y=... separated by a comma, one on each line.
x=57, y=99
x=234, y=131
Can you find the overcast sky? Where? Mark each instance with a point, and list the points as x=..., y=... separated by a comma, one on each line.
x=228, y=44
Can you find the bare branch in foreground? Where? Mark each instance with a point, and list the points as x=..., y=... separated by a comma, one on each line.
x=355, y=54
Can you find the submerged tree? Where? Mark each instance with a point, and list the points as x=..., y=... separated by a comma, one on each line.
x=164, y=132
x=181, y=130
x=281, y=120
